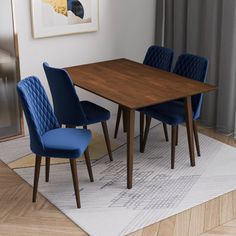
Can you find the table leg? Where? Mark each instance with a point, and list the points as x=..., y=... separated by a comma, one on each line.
x=124, y=113
x=130, y=118
x=189, y=126
x=141, y=129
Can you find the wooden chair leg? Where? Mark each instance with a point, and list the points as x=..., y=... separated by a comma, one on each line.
x=124, y=112
x=173, y=144
x=177, y=135
x=141, y=131
x=75, y=181
x=165, y=132
x=107, y=139
x=119, y=113
x=146, y=132
x=70, y=126
x=195, y=131
x=88, y=163
x=47, y=168
x=36, y=176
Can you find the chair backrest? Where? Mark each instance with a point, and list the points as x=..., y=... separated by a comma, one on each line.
x=38, y=111
x=66, y=102
x=193, y=67
x=159, y=57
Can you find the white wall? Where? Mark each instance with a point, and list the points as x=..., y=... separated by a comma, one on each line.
x=127, y=28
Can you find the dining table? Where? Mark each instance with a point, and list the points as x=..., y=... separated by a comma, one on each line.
x=133, y=86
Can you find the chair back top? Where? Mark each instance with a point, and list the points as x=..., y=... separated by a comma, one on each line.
x=66, y=102
x=38, y=111
x=159, y=57
x=193, y=67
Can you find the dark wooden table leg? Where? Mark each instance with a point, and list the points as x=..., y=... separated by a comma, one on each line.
x=141, y=131
x=189, y=126
x=130, y=118
x=124, y=113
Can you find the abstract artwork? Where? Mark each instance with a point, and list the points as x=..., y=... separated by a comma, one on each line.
x=60, y=17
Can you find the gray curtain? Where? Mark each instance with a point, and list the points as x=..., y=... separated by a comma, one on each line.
x=206, y=28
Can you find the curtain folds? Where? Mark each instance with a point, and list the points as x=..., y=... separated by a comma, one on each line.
x=206, y=28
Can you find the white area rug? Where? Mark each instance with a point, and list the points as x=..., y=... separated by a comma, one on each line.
x=109, y=209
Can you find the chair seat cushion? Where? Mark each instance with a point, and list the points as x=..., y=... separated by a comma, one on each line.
x=94, y=113
x=65, y=142
x=171, y=113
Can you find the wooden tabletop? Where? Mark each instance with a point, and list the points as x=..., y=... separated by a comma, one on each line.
x=132, y=84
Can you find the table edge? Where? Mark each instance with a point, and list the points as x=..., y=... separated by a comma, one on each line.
x=214, y=88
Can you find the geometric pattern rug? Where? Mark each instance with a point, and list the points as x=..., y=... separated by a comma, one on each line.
x=109, y=208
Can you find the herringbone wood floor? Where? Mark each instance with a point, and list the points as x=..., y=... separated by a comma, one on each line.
x=18, y=216
x=216, y=217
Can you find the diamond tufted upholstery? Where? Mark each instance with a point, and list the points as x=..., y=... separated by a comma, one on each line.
x=38, y=111
x=46, y=138
x=68, y=108
x=193, y=67
x=38, y=105
x=159, y=57
x=172, y=113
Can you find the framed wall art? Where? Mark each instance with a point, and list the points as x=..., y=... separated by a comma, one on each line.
x=61, y=17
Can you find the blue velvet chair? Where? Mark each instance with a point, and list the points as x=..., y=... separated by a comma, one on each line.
x=173, y=113
x=161, y=58
x=69, y=110
x=46, y=137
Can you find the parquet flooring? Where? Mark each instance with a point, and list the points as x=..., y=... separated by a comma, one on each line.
x=215, y=217
x=18, y=216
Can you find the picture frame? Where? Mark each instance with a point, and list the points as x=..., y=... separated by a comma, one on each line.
x=62, y=17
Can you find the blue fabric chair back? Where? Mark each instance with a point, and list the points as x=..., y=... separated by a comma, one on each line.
x=193, y=67
x=38, y=111
x=159, y=57
x=67, y=105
